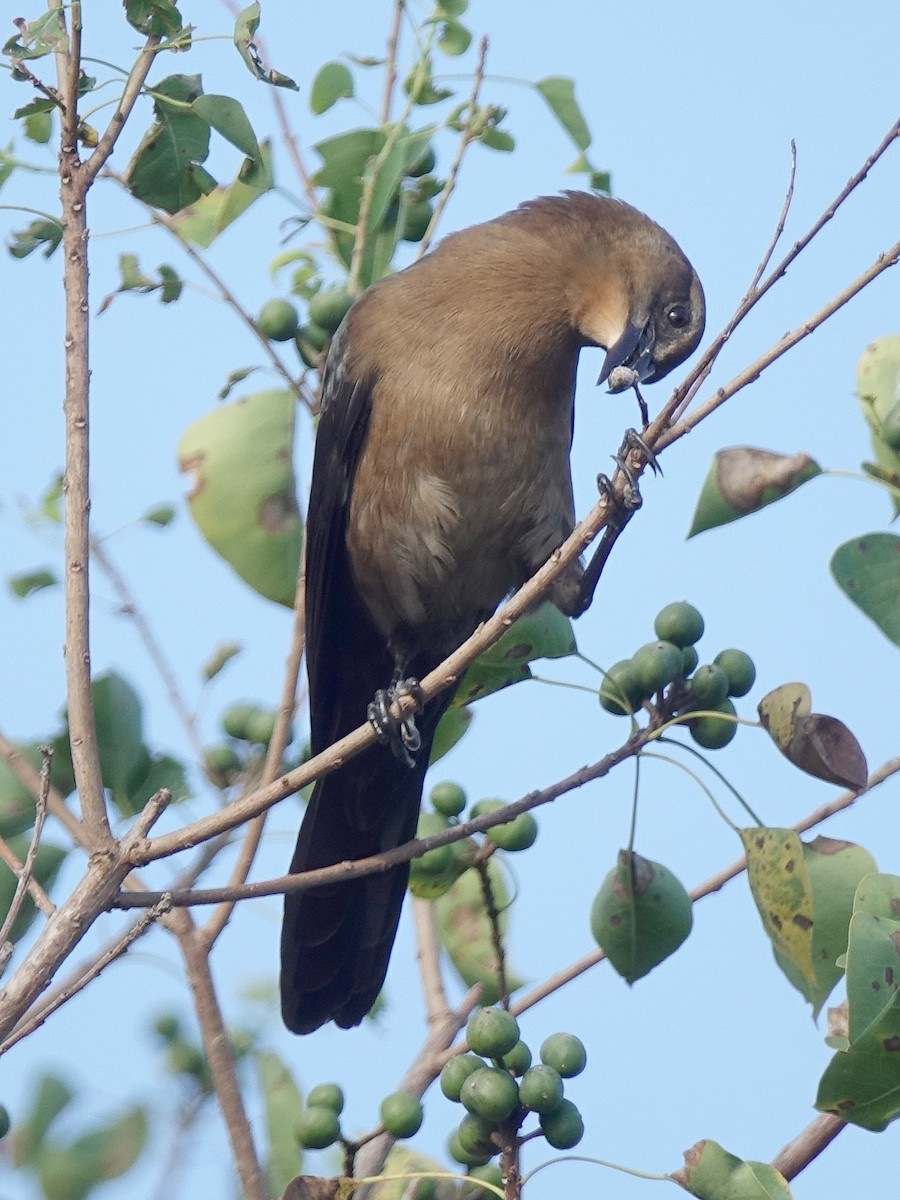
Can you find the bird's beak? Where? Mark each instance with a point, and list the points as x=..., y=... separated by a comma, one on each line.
x=633, y=349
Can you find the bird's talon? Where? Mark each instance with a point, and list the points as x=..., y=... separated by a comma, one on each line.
x=400, y=733
x=633, y=441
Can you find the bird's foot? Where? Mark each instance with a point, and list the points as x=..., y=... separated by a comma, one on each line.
x=631, y=497
x=400, y=733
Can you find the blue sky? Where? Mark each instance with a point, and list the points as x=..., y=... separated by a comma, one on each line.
x=693, y=108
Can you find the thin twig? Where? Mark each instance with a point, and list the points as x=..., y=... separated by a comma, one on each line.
x=465, y=140
x=428, y=957
x=807, y=1145
x=493, y=918
x=152, y=645
x=217, y=1048
x=109, y=955
x=390, y=66
x=26, y=874
x=274, y=758
x=779, y=227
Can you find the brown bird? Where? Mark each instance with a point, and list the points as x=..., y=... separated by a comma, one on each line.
x=441, y=482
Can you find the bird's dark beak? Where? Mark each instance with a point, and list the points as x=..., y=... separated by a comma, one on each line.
x=634, y=349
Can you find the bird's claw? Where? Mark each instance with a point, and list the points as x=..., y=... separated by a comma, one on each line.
x=631, y=496
x=633, y=441
x=400, y=733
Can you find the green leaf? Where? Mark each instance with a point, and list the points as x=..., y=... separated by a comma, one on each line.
x=154, y=18
x=39, y=127
x=47, y=863
x=782, y=892
x=498, y=139
x=542, y=633
x=878, y=388
x=203, y=221
x=30, y=582
x=227, y=117
x=454, y=38
x=821, y=746
x=153, y=773
x=451, y=8
x=711, y=1173
x=402, y=1163
x=44, y=233
x=452, y=727
x=51, y=1096
x=244, y=497
x=742, y=480
x=332, y=82
x=16, y=801
x=245, y=27
x=46, y=35
x=640, y=916
x=283, y=1101
x=867, y=570
x=862, y=1083
x=834, y=869
x=115, y=1148
x=166, y=170
x=117, y=711
x=220, y=659
x=465, y=931
x=560, y=95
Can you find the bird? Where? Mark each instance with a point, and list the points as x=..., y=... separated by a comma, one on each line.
x=441, y=482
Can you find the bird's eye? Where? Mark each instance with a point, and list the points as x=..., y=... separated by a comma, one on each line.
x=678, y=316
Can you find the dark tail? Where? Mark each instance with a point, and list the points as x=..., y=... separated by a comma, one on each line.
x=336, y=940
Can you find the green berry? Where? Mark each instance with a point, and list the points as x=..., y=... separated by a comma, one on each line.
x=460, y=1155
x=317, y=1128
x=656, y=665
x=222, y=765
x=475, y=1135
x=740, y=670
x=416, y=219
x=621, y=692
x=329, y=306
x=278, y=320
x=689, y=659
x=712, y=733
x=490, y=1173
x=541, y=1089
x=517, y=1060
x=708, y=686
x=438, y=860
x=492, y=1032
x=680, y=623
x=563, y=1128
x=311, y=341
x=261, y=726
x=5, y=1121
x=455, y=1073
x=518, y=834
x=448, y=799
x=490, y=1093
x=565, y=1053
x=237, y=719
x=326, y=1095
x=402, y=1114
x=424, y=164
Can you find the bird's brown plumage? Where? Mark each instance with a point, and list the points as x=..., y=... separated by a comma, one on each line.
x=441, y=482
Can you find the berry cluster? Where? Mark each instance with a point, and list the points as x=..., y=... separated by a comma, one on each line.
x=499, y=1089
x=668, y=670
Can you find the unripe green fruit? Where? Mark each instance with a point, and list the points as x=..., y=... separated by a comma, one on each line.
x=278, y=320
x=237, y=719
x=656, y=665
x=402, y=1114
x=708, y=686
x=490, y=1173
x=311, y=340
x=261, y=726
x=565, y=1053
x=740, y=670
x=317, y=1128
x=563, y=1128
x=448, y=799
x=490, y=1093
x=455, y=1073
x=712, y=733
x=541, y=1089
x=222, y=765
x=326, y=1095
x=424, y=164
x=621, y=692
x=679, y=623
x=416, y=219
x=689, y=659
x=461, y=1155
x=329, y=306
x=475, y=1135
x=440, y=859
x=517, y=1060
x=492, y=1032
x=5, y=1121
x=168, y=1027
